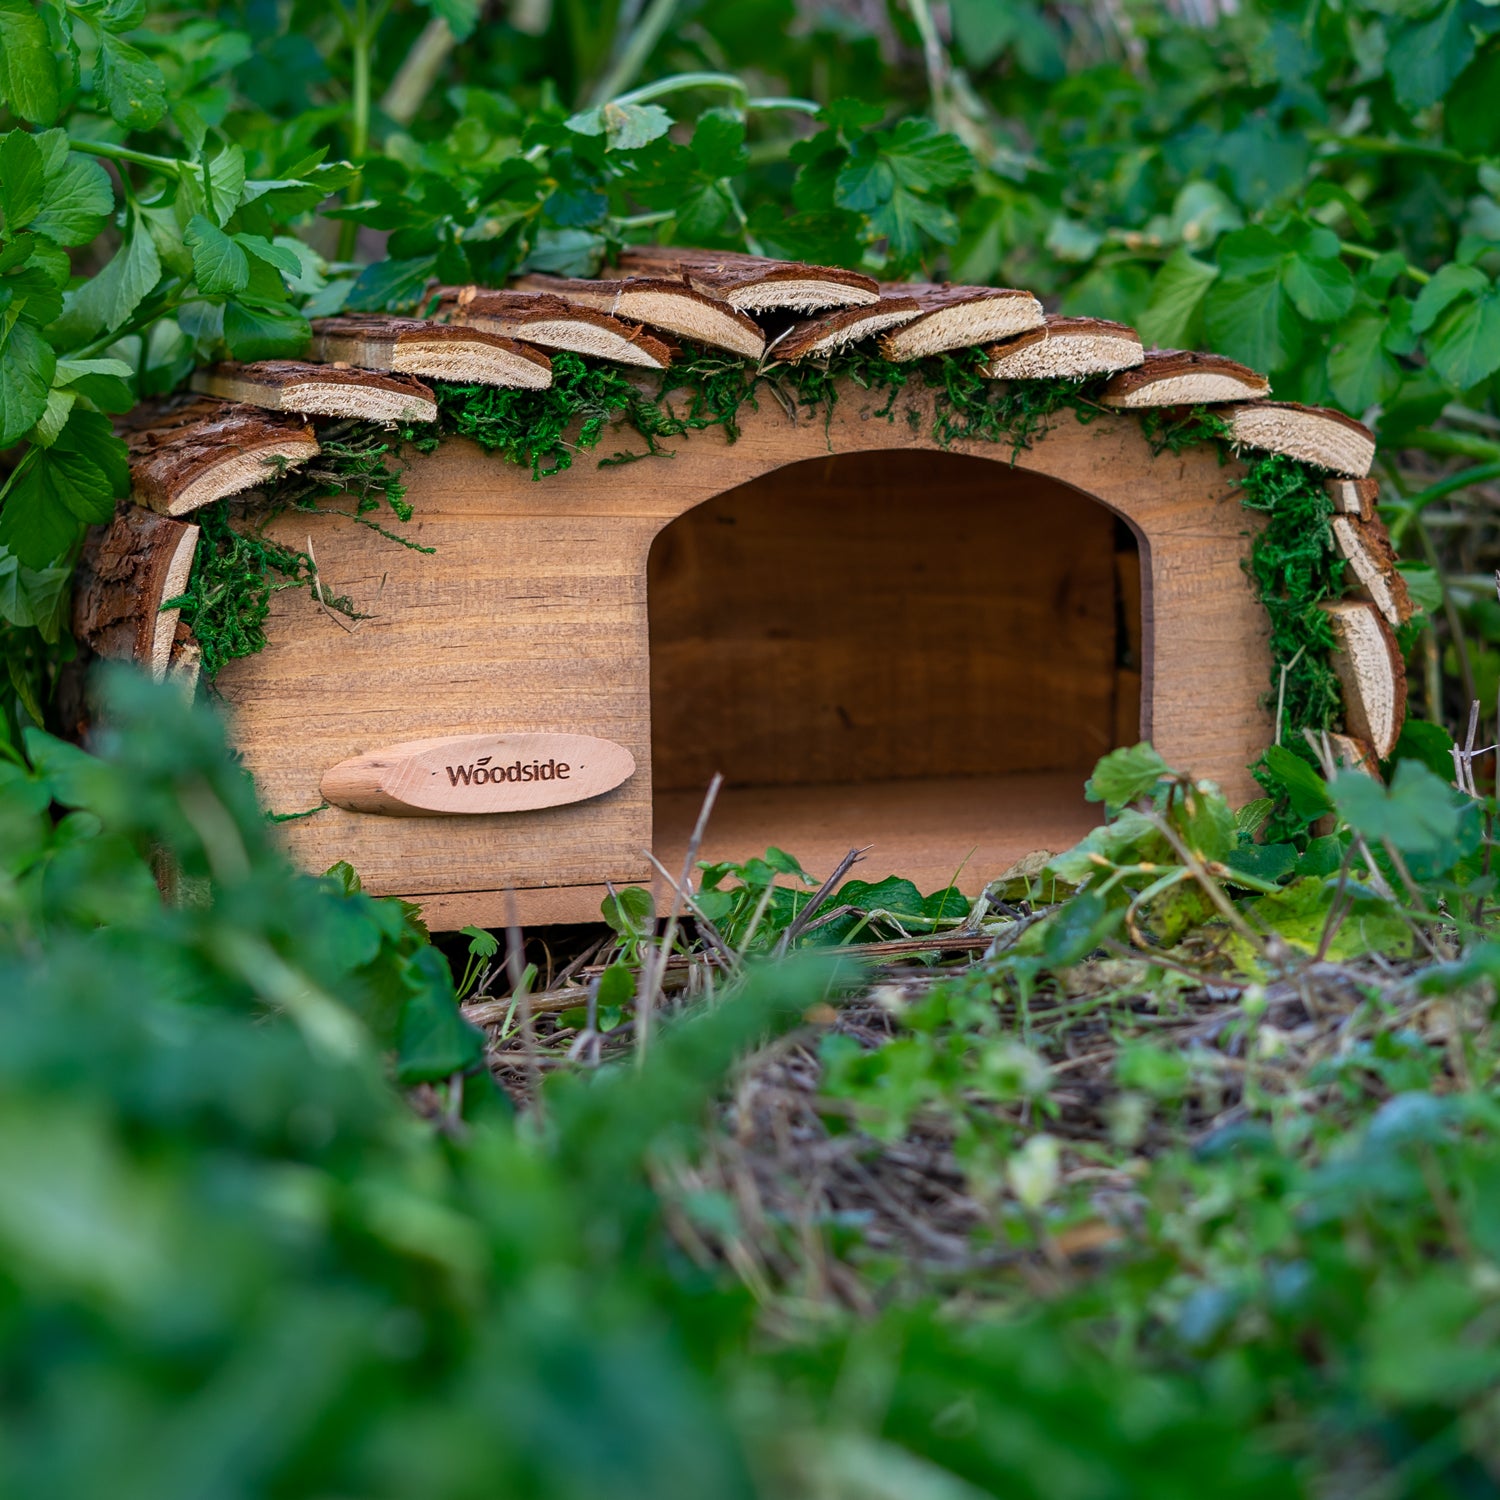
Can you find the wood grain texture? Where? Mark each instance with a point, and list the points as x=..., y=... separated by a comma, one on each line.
x=532, y=616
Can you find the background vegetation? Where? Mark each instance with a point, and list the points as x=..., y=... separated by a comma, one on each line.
x=1187, y=1184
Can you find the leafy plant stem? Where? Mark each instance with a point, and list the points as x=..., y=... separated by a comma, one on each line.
x=112, y=152
x=1413, y=505
x=1450, y=610
x=1364, y=252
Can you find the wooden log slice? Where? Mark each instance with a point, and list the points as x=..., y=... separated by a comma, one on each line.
x=660, y=302
x=127, y=569
x=439, y=351
x=1354, y=497
x=1314, y=434
x=1178, y=377
x=837, y=330
x=1366, y=547
x=539, y=319
x=1066, y=349
x=958, y=317
x=320, y=390
x=187, y=452
x=185, y=661
x=1373, y=675
x=753, y=283
x=1354, y=754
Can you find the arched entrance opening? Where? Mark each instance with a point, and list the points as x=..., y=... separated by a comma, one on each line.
x=922, y=651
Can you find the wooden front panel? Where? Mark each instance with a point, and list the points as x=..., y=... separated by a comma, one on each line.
x=532, y=617
x=884, y=616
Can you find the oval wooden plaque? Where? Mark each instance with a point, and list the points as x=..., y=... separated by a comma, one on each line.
x=478, y=773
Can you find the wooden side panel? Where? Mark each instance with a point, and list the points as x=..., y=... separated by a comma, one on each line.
x=532, y=616
x=813, y=626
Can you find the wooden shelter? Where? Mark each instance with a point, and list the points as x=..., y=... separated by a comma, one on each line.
x=877, y=637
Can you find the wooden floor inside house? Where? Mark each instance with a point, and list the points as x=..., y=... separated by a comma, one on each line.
x=929, y=830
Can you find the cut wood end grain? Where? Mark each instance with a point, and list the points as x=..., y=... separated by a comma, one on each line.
x=128, y=569
x=439, y=351
x=958, y=317
x=1354, y=754
x=186, y=453
x=837, y=330
x=1354, y=497
x=754, y=283
x=539, y=318
x=321, y=390
x=1315, y=435
x=1369, y=666
x=1366, y=547
x=1066, y=349
x=659, y=302
x=1180, y=377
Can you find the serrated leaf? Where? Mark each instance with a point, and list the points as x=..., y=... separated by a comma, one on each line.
x=220, y=266
x=77, y=197
x=1464, y=348
x=129, y=84
x=52, y=420
x=29, y=80
x=1251, y=319
x=391, y=284
x=27, y=363
x=1321, y=289
x=1418, y=812
x=434, y=1040
x=22, y=179
x=1305, y=790
x=1360, y=371
x=92, y=436
x=277, y=256
x=1448, y=284
x=264, y=332
x=107, y=301
x=625, y=127
x=719, y=144
x=1124, y=775
x=1176, y=296
x=220, y=182
x=34, y=597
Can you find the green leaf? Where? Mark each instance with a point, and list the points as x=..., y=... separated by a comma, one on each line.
x=1321, y=288
x=129, y=84
x=1448, y=284
x=1418, y=813
x=27, y=363
x=35, y=597
x=216, y=186
x=50, y=424
x=280, y=257
x=220, y=266
x=630, y=912
x=1176, y=295
x=462, y=16
x=719, y=144
x=91, y=435
x=1304, y=789
x=77, y=199
x=264, y=332
x=1125, y=775
x=391, y=284
x=1429, y=743
x=1253, y=320
x=1425, y=57
x=106, y=302
x=1360, y=371
x=28, y=68
x=22, y=179
x=434, y=1040
x=624, y=126
x=1465, y=346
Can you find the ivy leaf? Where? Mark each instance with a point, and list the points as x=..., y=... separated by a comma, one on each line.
x=27, y=363
x=1126, y=774
x=1465, y=346
x=77, y=198
x=1176, y=295
x=22, y=179
x=106, y=302
x=264, y=332
x=129, y=83
x=220, y=266
x=28, y=67
x=1426, y=56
